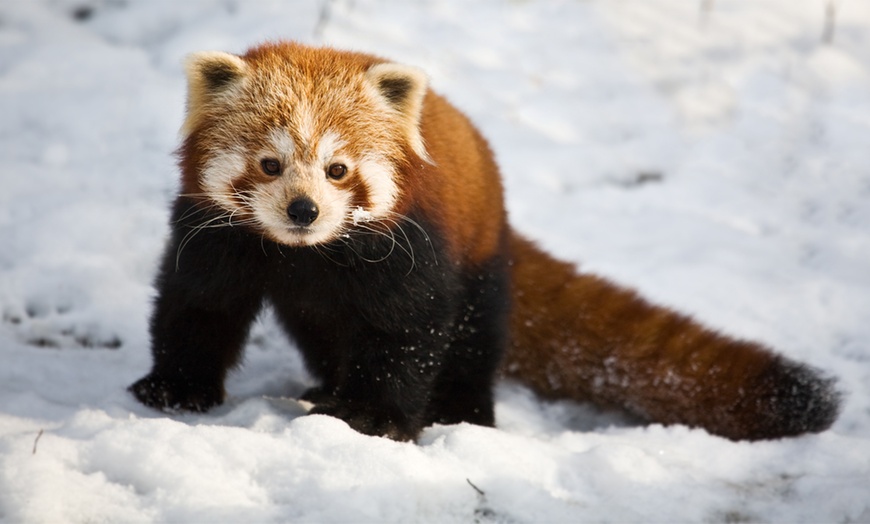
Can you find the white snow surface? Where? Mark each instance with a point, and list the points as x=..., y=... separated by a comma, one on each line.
x=714, y=155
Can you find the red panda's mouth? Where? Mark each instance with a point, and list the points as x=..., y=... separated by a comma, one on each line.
x=300, y=232
x=299, y=236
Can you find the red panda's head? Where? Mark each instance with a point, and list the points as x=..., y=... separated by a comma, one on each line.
x=300, y=144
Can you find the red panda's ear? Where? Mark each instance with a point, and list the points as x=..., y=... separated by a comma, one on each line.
x=209, y=74
x=403, y=88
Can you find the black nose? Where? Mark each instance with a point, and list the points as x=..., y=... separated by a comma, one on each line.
x=302, y=211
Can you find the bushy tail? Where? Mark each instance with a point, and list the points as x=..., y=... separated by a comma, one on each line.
x=581, y=337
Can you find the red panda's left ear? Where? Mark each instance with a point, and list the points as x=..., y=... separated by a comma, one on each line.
x=403, y=88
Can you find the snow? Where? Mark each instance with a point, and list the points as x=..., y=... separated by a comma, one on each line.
x=713, y=155
x=360, y=215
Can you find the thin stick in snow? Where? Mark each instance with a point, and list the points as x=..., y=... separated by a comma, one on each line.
x=36, y=441
x=478, y=490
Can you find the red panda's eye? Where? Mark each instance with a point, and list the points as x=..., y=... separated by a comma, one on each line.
x=336, y=171
x=271, y=166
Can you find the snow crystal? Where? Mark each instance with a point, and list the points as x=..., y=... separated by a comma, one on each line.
x=361, y=215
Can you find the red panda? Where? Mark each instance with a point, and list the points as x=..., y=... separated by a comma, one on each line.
x=368, y=212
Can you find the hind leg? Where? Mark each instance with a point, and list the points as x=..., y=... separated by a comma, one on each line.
x=463, y=390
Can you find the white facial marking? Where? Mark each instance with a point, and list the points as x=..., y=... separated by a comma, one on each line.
x=379, y=178
x=219, y=173
x=282, y=143
x=328, y=146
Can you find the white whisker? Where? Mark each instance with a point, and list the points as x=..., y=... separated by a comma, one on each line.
x=392, y=228
x=192, y=233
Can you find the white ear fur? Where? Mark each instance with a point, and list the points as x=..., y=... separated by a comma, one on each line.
x=403, y=89
x=209, y=74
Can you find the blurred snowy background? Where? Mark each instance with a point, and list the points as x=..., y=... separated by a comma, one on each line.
x=714, y=154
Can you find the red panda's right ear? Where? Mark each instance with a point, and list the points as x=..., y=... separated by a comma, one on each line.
x=209, y=74
x=403, y=89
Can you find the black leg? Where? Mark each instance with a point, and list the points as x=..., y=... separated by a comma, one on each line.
x=207, y=299
x=463, y=390
x=388, y=384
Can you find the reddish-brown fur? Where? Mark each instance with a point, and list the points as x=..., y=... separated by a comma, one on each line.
x=579, y=336
x=462, y=189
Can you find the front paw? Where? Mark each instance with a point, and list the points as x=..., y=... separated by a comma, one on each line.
x=369, y=419
x=176, y=394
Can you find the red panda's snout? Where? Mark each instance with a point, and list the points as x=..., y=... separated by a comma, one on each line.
x=298, y=213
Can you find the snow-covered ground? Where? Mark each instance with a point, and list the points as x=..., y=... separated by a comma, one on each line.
x=713, y=154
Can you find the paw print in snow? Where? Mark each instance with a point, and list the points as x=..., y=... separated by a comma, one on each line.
x=45, y=325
